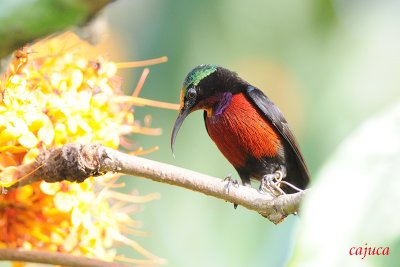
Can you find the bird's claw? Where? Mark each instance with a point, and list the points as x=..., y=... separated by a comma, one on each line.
x=231, y=182
x=271, y=183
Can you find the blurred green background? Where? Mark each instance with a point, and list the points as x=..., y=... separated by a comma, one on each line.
x=329, y=65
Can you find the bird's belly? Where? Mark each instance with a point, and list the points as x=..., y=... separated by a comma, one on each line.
x=242, y=134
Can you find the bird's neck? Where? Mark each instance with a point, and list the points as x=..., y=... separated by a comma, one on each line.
x=217, y=104
x=222, y=104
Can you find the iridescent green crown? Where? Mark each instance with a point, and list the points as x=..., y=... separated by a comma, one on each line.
x=197, y=74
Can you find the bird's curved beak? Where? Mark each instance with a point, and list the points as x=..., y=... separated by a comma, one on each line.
x=178, y=123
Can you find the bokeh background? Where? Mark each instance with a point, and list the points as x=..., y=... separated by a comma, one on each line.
x=329, y=66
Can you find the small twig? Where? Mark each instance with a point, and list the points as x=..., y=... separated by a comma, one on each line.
x=76, y=162
x=143, y=63
x=55, y=258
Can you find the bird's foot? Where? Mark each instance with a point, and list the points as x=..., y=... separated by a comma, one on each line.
x=231, y=182
x=281, y=175
x=291, y=185
x=271, y=183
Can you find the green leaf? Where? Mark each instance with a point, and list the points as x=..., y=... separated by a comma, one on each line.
x=23, y=21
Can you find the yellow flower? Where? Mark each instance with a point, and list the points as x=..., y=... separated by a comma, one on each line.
x=55, y=93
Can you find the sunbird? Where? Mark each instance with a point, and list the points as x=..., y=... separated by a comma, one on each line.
x=247, y=127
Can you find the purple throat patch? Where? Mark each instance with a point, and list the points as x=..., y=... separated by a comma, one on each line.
x=223, y=103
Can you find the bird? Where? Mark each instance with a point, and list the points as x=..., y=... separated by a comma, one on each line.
x=247, y=127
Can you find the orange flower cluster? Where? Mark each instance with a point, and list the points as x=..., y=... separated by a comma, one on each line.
x=50, y=95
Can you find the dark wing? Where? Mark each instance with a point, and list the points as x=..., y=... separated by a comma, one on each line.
x=275, y=116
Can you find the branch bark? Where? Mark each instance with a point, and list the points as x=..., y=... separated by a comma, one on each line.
x=54, y=258
x=76, y=162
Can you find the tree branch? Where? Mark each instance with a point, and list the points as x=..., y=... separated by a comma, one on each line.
x=76, y=162
x=54, y=258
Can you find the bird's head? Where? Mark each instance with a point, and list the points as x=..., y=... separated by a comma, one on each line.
x=202, y=88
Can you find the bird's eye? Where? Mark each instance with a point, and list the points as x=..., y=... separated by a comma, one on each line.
x=191, y=94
